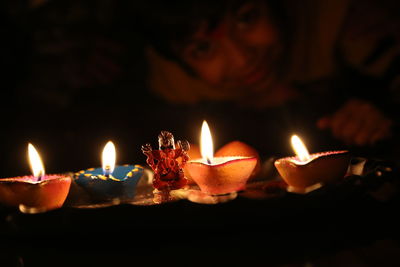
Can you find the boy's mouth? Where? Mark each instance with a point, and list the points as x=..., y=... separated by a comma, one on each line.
x=254, y=77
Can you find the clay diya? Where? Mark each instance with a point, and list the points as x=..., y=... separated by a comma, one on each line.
x=35, y=193
x=306, y=172
x=110, y=182
x=233, y=148
x=219, y=175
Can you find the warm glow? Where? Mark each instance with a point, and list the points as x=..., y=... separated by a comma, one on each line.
x=109, y=158
x=206, y=144
x=300, y=149
x=35, y=161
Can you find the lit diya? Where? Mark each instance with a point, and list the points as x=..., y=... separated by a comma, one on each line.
x=233, y=148
x=35, y=193
x=306, y=172
x=110, y=182
x=219, y=175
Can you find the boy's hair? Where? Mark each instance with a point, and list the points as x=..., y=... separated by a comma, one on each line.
x=163, y=24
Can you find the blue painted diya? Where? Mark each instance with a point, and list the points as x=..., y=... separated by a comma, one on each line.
x=121, y=184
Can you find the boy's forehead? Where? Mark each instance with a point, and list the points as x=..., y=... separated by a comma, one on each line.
x=206, y=31
x=217, y=28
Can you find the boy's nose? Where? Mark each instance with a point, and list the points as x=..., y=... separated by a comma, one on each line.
x=237, y=56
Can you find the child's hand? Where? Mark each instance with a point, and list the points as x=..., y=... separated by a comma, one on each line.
x=357, y=122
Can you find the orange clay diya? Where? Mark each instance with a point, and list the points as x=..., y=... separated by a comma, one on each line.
x=220, y=175
x=37, y=192
x=234, y=148
x=306, y=172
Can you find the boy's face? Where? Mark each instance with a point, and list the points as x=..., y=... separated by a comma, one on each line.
x=240, y=54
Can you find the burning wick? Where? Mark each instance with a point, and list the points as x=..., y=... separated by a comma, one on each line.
x=108, y=159
x=35, y=162
x=300, y=149
x=107, y=171
x=206, y=144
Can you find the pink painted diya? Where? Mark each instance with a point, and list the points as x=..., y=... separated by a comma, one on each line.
x=47, y=193
x=37, y=192
x=219, y=175
x=305, y=172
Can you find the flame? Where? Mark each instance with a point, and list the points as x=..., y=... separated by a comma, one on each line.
x=108, y=158
x=206, y=143
x=35, y=161
x=299, y=148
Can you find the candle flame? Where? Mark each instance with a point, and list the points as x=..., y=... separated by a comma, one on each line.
x=299, y=148
x=206, y=143
x=108, y=158
x=35, y=162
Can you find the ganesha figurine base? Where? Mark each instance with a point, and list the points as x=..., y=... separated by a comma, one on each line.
x=163, y=196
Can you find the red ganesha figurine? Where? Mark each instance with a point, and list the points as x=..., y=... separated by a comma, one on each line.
x=167, y=163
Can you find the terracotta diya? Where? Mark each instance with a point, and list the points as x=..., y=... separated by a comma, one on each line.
x=35, y=193
x=219, y=175
x=305, y=172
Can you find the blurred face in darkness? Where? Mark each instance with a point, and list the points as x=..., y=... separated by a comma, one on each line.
x=238, y=56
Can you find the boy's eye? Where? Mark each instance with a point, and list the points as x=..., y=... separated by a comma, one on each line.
x=201, y=49
x=247, y=14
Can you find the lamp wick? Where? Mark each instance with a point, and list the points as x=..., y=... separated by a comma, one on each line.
x=39, y=177
x=107, y=171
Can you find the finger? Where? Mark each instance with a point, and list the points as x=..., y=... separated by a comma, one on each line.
x=354, y=122
x=342, y=117
x=348, y=130
x=324, y=123
x=363, y=136
x=371, y=125
x=340, y=121
x=374, y=121
x=382, y=132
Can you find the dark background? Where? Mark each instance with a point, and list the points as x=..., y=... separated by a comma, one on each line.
x=73, y=77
